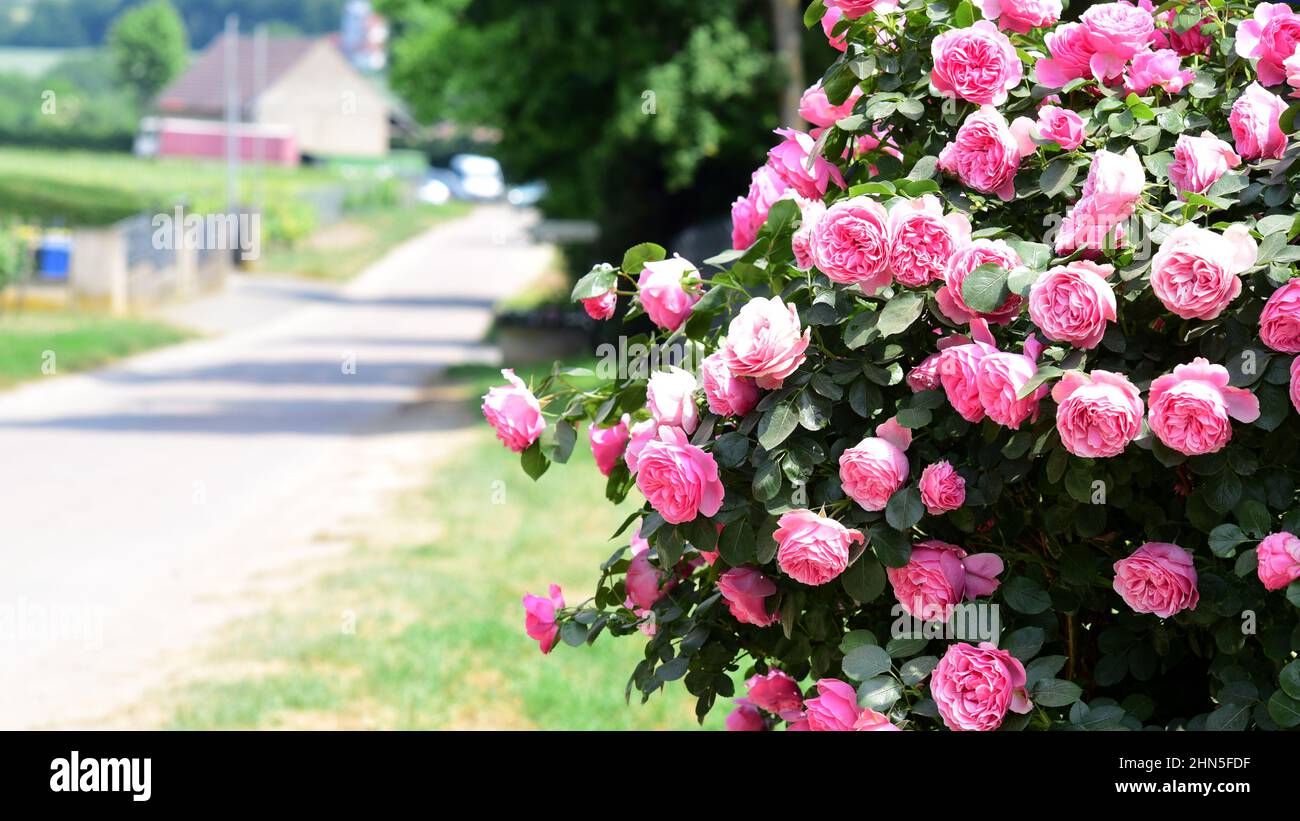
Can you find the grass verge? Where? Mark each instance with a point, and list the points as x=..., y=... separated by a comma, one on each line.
x=77, y=343
x=438, y=640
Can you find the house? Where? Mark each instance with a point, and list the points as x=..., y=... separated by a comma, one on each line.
x=300, y=86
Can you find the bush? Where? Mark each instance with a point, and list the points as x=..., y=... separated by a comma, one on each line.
x=996, y=429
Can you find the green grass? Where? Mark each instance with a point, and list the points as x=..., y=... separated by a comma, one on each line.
x=439, y=639
x=77, y=342
x=374, y=233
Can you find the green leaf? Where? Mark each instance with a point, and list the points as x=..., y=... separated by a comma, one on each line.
x=900, y=312
x=879, y=693
x=1025, y=643
x=1055, y=692
x=862, y=663
x=1225, y=538
x=904, y=509
x=891, y=547
x=924, y=169
x=1229, y=717
x=777, y=424
x=730, y=449
x=1284, y=709
x=1057, y=176
x=814, y=13
x=1044, y=373
x=1023, y=595
x=985, y=288
x=1223, y=491
x=600, y=279
x=1289, y=679
x=638, y=255
x=533, y=461
x=864, y=580
x=573, y=633
x=736, y=543
x=914, y=671
x=767, y=481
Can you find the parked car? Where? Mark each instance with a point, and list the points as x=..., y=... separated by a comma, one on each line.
x=527, y=194
x=469, y=177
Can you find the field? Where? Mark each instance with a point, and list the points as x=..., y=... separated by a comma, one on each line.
x=34, y=62
x=448, y=650
x=78, y=343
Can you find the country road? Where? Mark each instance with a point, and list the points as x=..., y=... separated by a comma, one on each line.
x=139, y=502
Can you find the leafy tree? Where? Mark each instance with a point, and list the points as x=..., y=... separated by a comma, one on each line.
x=149, y=47
x=645, y=117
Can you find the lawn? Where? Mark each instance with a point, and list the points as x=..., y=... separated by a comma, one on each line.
x=445, y=647
x=77, y=343
x=343, y=250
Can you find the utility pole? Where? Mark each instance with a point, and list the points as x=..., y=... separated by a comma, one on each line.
x=231, y=55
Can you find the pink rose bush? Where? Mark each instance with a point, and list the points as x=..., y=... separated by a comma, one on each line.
x=1014, y=325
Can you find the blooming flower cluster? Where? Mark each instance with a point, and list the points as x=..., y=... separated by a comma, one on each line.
x=1016, y=334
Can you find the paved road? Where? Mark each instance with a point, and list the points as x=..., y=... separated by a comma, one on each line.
x=137, y=499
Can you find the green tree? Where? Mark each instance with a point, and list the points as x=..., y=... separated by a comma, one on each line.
x=149, y=47
x=647, y=117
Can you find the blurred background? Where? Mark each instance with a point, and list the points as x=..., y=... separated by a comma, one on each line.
x=258, y=261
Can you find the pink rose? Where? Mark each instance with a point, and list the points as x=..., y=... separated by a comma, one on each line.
x=1279, y=560
x=853, y=9
x=829, y=20
x=608, y=444
x=1199, y=162
x=813, y=549
x=1295, y=384
x=966, y=259
x=1071, y=57
x=745, y=718
x=1162, y=69
x=974, y=687
x=1060, y=125
x=790, y=160
x=679, y=480
x=834, y=709
x=750, y=212
x=514, y=412
x=925, y=376
x=1279, y=322
x=1109, y=197
x=1270, y=37
x=938, y=576
x=1188, y=43
x=1157, y=578
x=876, y=467
x=1116, y=32
x=1189, y=409
x=1255, y=124
x=999, y=379
x=670, y=396
x=977, y=64
x=1073, y=304
x=818, y=110
x=942, y=488
x=850, y=244
x=810, y=213
x=1194, y=274
x=727, y=395
x=1097, y=414
x=639, y=435
x=1021, y=16
x=745, y=590
x=922, y=239
x=986, y=153
x=539, y=618
x=668, y=291
x=871, y=721
x=775, y=692
x=644, y=582
x=603, y=306
x=959, y=366
x=765, y=342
